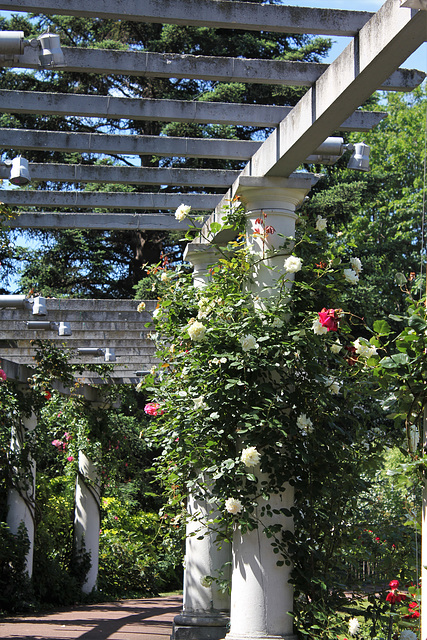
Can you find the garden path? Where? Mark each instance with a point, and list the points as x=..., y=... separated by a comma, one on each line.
x=142, y=619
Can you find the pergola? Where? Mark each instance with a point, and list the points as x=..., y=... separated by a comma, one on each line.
x=380, y=43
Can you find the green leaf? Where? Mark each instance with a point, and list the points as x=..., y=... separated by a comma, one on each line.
x=417, y=323
x=382, y=327
x=215, y=227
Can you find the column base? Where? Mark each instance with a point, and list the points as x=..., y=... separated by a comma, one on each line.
x=199, y=626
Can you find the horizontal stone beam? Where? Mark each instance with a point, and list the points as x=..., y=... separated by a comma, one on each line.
x=122, y=361
x=104, y=221
x=218, y=14
x=117, y=308
x=256, y=115
x=217, y=178
x=218, y=69
x=106, y=200
x=104, y=143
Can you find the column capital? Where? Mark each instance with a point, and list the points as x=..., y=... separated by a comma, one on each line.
x=275, y=193
x=201, y=257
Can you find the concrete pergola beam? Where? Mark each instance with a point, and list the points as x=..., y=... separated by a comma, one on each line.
x=104, y=143
x=219, y=14
x=174, y=65
x=256, y=115
x=105, y=200
x=217, y=178
x=391, y=35
x=104, y=221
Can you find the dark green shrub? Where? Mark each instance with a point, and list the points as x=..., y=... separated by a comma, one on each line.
x=16, y=593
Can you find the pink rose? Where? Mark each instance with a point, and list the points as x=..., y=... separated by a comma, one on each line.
x=153, y=409
x=70, y=458
x=3, y=376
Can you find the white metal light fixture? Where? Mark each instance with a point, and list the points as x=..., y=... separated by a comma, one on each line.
x=109, y=354
x=39, y=306
x=19, y=172
x=360, y=157
x=50, y=54
x=63, y=328
x=414, y=4
x=333, y=148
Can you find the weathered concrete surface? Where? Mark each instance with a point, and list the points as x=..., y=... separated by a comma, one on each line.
x=173, y=65
x=256, y=115
x=109, y=200
x=224, y=15
x=102, y=221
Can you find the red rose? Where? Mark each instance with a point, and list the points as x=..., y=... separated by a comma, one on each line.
x=328, y=319
x=393, y=584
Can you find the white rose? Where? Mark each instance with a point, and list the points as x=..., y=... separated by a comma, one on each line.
x=356, y=265
x=278, y=323
x=321, y=223
x=141, y=307
x=304, y=423
x=364, y=349
x=293, y=264
x=182, y=212
x=164, y=277
x=333, y=386
x=199, y=403
x=351, y=276
x=353, y=626
x=336, y=347
x=157, y=312
x=196, y=331
x=248, y=342
x=250, y=457
x=232, y=505
x=318, y=328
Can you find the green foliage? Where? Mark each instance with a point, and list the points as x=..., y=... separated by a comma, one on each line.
x=139, y=554
x=16, y=593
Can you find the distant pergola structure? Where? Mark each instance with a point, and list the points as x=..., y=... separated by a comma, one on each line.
x=270, y=180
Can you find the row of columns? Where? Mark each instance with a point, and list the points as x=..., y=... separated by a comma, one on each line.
x=261, y=595
x=21, y=505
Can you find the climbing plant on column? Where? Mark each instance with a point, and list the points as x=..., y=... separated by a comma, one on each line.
x=279, y=384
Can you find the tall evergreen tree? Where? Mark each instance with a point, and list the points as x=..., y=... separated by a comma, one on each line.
x=111, y=263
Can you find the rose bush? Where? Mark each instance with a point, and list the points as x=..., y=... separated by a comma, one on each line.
x=261, y=379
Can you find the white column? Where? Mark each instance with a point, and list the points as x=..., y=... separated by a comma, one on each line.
x=87, y=519
x=276, y=207
x=201, y=256
x=205, y=612
x=21, y=500
x=261, y=596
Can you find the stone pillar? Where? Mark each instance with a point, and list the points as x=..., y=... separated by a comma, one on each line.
x=87, y=519
x=205, y=612
x=275, y=204
x=201, y=257
x=261, y=596
x=21, y=500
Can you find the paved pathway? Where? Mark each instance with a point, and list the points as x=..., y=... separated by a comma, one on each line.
x=145, y=619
